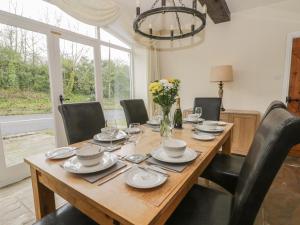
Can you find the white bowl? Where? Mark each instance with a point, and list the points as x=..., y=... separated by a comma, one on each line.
x=193, y=116
x=89, y=155
x=174, y=147
x=210, y=123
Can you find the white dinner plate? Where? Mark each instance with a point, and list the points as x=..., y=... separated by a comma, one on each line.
x=153, y=123
x=191, y=120
x=61, y=153
x=204, y=136
x=73, y=165
x=210, y=129
x=132, y=130
x=213, y=122
x=144, y=179
x=188, y=156
x=104, y=138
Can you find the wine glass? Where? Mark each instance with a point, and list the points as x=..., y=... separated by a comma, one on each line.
x=198, y=112
x=134, y=132
x=112, y=131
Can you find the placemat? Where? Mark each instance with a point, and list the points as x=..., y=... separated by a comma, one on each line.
x=93, y=177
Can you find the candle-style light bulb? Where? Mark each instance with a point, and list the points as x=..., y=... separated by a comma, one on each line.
x=138, y=7
x=204, y=9
x=172, y=31
x=150, y=29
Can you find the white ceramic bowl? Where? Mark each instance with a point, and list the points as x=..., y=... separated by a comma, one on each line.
x=210, y=123
x=89, y=155
x=174, y=147
x=193, y=116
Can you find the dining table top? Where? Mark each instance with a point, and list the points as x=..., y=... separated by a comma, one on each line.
x=115, y=200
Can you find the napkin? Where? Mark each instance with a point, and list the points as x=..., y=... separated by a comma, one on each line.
x=93, y=177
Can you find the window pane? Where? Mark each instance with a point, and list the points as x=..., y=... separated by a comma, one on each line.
x=26, y=122
x=47, y=13
x=78, y=71
x=107, y=37
x=116, y=82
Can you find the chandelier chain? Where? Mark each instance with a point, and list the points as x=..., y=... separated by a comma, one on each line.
x=178, y=20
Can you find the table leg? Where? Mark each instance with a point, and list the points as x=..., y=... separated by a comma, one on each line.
x=44, y=201
x=226, y=147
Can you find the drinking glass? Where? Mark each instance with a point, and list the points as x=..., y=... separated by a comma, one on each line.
x=198, y=112
x=112, y=131
x=135, y=132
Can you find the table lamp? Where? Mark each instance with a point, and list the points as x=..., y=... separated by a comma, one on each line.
x=221, y=74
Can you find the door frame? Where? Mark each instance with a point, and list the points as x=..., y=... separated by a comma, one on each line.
x=288, y=61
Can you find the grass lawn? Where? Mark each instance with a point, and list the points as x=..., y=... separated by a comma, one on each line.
x=16, y=102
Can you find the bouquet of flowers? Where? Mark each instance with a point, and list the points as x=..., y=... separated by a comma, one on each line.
x=164, y=92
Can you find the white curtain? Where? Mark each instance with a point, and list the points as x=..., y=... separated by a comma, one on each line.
x=153, y=74
x=93, y=12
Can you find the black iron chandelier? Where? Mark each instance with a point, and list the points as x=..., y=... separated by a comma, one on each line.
x=177, y=8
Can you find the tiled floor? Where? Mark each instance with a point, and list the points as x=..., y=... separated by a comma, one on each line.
x=281, y=205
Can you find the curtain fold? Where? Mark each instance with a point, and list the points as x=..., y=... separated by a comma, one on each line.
x=93, y=12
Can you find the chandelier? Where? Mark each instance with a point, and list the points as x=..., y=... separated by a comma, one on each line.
x=182, y=21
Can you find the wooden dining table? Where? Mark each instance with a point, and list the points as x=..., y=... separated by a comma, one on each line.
x=114, y=202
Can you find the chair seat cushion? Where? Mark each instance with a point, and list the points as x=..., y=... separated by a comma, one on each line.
x=66, y=215
x=203, y=206
x=224, y=170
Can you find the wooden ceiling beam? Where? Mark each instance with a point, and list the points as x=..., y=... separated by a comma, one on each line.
x=217, y=10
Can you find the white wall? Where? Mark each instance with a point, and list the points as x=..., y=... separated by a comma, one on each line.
x=254, y=42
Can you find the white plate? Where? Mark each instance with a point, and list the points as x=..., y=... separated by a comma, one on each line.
x=153, y=123
x=144, y=179
x=74, y=166
x=204, y=136
x=191, y=120
x=188, y=156
x=133, y=130
x=209, y=129
x=101, y=137
x=61, y=153
x=213, y=122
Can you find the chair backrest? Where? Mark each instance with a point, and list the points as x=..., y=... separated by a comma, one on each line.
x=210, y=107
x=135, y=111
x=277, y=133
x=82, y=120
x=274, y=105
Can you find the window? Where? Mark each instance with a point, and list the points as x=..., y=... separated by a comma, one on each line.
x=47, y=13
x=78, y=71
x=107, y=37
x=115, y=67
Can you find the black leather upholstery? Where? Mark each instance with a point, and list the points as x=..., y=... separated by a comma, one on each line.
x=82, y=120
x=277, y=134
x=203, y=206
x=135, y=111
x=66, y=215
x=224, y=170
x=210, y=107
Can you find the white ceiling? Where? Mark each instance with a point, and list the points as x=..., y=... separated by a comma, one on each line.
x=239, y=5
x=234, y=5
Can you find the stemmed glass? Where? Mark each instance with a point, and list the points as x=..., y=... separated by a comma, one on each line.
x=111, y=131
x=135, y=132
x=198, y=112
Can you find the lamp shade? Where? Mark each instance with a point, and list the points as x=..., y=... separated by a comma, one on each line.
x=221, y=73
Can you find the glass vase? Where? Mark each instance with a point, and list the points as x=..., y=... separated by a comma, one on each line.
x=165, y=124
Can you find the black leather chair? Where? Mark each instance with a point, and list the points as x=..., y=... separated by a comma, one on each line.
x=277, y=134
x=66, y=215
x=82, y=120
x=224, y=170
x=210, y=107
x=135, y=111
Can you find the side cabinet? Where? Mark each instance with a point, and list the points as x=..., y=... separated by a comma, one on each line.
x=245, y=124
